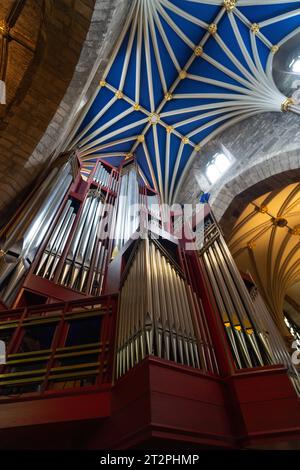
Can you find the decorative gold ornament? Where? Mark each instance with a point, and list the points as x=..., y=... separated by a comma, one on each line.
x=255, y=28
x=4, y=28
x=229, y=5
x=185, y=140
x=295, y=231
x=274, y=49
x=102, y=83
x=119, y=94
x=197, y=148
x=279, y=222
x=2, y=253
x=286, y=104
x=198, y=51
x=213, y=28
x=136, y=106
x=128, y=156
x=141, y=138
x=168, y=96
x=182, y=74
x=169, y=129
x=154, y=118
x=263, y=209
x=251, y=245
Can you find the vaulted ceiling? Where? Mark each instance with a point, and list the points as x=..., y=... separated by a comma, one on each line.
x=265, y=242
x=183, y=71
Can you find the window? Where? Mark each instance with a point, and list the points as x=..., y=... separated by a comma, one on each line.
x=217, y=167
x=295, y=65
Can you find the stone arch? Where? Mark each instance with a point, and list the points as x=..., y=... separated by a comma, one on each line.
x=271, y=174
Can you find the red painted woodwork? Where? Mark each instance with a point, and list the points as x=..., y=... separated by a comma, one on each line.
x=164, y=402
x=55, y=292
x=55, y=408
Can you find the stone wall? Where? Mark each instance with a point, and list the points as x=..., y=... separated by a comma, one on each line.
x=76, y=32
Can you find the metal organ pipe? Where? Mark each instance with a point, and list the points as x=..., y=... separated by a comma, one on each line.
x=272, y=339
x=127, y=220
x=84, y=246
x=156, y=312
x=23, y=240
x=252, y=336
x=84, y=266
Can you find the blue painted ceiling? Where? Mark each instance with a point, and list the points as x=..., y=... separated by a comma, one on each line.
x=182, y=71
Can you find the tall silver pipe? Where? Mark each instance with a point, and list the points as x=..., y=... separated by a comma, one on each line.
x=155, y=313
x=24, y=240
x=53, y=238
x=62, y=246
x=75, y=242
x=91, y=245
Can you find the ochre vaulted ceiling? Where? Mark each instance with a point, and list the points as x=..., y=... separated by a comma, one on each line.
x=265, y=243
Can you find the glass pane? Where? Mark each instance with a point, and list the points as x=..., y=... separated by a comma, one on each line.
x=213, y=173
x=222, y=162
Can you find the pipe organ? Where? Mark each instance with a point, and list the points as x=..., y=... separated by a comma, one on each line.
x=251, y=333
x=94, y=288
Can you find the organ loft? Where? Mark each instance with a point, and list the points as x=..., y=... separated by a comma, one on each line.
x=149, y=263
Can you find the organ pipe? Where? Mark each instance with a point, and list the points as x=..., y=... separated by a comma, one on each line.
x=157, y=312
x=271, y=337
x=21, y=241
x=85, y=245
x=251, y=333
x=127, y=216
x=79, y=231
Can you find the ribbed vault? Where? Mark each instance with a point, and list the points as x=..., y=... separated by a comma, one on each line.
x=265, y=242
x=182, y=72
